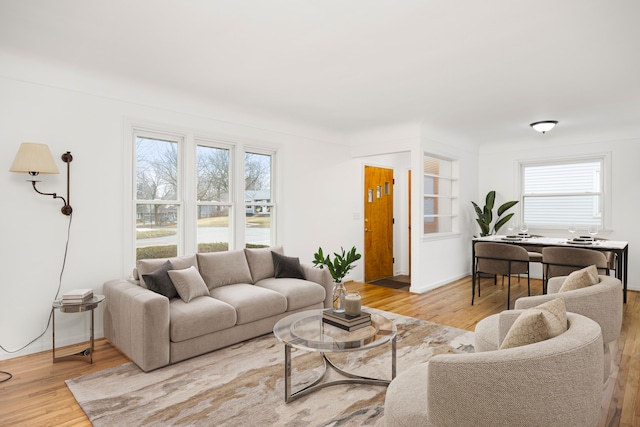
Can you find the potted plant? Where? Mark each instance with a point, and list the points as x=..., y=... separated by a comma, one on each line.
x=485, y=215
x=338, y=268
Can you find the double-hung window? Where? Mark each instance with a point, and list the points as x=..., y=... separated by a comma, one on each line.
x=440, y=198
x=561, y=193
x=158, y=198
x=214, y=210
x=258, y=197
x=194, y=194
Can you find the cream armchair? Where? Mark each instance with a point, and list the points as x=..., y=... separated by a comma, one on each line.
x=601, y=302
x=556, y=382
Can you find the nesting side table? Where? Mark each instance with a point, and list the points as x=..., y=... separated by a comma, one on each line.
x=86, y=354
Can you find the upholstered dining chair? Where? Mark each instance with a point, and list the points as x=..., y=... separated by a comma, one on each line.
x=561, y=261
x=500, y=258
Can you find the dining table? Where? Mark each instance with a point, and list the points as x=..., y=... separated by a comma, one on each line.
x=620, y=248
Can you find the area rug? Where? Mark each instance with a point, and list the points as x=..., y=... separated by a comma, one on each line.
x=243, y=385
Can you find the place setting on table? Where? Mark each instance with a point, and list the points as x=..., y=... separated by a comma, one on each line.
x=582, y=240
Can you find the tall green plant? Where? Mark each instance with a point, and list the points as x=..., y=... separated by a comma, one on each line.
x=341, y=265
x=485, y=215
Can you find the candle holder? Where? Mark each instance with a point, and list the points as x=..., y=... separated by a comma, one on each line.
x=352, y=304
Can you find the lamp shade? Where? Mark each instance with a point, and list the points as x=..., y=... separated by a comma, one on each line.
x=544, y=126
x=34, y=158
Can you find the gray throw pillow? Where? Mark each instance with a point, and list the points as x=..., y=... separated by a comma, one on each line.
x=286, y=267
x=160, y=282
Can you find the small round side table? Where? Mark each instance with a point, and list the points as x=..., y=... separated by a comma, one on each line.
x=89, y=305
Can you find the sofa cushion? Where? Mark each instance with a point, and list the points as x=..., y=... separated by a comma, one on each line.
x=146, y=266
x=580, y=279
x=299, y=293
x=537, y=324
x=201, y=316
x=160, y=282
x=251, y=302
x=188, y=283
x=261, y=262
x=286, y=267
x=224, y=268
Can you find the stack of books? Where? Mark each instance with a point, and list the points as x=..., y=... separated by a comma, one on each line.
x=77, y=296
x=346, y=322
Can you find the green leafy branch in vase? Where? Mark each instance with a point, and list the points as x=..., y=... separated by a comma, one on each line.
x=340, y=266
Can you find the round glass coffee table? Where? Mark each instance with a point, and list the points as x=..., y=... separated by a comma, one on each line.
x=306, y=331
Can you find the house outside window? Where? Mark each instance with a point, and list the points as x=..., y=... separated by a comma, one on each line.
x=187, y=191
x=440, y=194
x=562, y=193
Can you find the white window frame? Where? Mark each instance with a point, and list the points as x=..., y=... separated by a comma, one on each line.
x=605, y=188
x=452, y=196
x=272, y=205
x=187, y=191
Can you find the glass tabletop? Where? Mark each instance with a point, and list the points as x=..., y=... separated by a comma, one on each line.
x=307, y=331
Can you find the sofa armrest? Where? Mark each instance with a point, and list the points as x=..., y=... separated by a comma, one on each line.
x=322, y=277
x=136, y=320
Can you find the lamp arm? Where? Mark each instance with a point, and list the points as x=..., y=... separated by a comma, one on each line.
x=66, y=209
x=55, y=195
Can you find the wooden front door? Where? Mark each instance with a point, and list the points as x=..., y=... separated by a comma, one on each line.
x=378, y=223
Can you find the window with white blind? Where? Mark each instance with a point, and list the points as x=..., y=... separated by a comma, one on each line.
x=440, y=194
x=563, y=193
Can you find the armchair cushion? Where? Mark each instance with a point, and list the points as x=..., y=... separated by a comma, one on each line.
x=537, y=324
x=580, y=279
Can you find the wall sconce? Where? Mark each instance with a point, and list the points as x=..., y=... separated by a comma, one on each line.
x=544, y=126
x=34, y=159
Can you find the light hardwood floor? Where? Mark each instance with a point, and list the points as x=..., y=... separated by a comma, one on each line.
x=38, y=396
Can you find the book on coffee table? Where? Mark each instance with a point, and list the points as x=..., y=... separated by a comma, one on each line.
x=346, y=320
x=345, y=327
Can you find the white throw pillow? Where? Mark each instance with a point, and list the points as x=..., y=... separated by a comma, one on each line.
x=188, y=283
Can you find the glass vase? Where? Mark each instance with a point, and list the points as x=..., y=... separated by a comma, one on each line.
x=339, y=292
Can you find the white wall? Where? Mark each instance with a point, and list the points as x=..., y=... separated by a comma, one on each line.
x=499, y=169
x=443, y=259
x=319, y=186
x=434, y=261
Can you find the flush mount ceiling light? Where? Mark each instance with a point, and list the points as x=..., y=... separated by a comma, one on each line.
x=544, y=126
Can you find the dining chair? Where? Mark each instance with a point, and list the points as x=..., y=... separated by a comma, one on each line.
x=561, y=261
x=611, y=256
x=500, y=258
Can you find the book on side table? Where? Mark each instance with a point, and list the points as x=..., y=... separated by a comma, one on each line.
x=346, y=322
x=77, y=296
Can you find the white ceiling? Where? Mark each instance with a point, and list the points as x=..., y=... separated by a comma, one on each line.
x=481, y=69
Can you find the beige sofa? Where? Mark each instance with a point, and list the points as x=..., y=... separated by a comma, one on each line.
x=556, y=382
x=244, y=301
